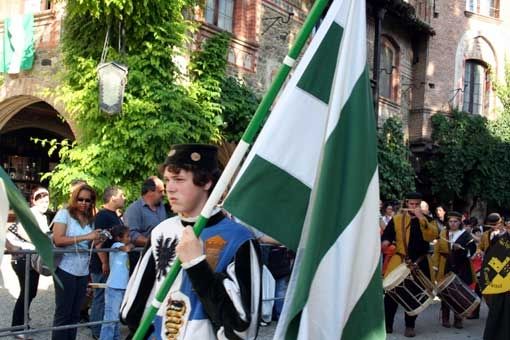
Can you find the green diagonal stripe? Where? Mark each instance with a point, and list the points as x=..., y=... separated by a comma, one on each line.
x=264, y=182
x=349, y=164
x=318, y=76
x=365, y=321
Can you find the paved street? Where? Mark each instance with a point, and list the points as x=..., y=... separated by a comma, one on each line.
x=42, y=307
x=427, y=326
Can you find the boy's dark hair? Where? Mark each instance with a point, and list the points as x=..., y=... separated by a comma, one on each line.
x=200, y=176
x=118, y=231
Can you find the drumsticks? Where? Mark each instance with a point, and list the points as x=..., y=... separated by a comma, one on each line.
x=461, y=247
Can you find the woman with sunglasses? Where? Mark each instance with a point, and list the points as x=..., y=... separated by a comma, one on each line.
x=73, y=230
x=39, y=200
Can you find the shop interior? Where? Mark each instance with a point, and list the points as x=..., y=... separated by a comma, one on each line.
x=20, y=156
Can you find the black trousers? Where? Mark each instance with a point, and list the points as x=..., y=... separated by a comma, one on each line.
x=68, y=300
x=497, y=326
x=390, y=309
x=18, y=266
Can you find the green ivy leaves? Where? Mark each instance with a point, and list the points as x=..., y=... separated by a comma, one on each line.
x=161, y=106
x=396, y=175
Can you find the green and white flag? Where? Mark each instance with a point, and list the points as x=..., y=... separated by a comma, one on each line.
x=18, y=44
x=11, y=196
x=311, y=182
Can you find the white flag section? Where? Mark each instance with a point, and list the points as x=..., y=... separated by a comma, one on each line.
x=311, y=182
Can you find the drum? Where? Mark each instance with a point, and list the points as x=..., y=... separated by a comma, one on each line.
x=409, y=288
x=457, y=295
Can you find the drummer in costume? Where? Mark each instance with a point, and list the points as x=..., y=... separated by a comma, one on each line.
x=452, y=254
x=411, y=232
x=217, y=294
x=493, y=223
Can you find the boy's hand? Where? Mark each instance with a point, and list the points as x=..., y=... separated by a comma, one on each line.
x=189, y=247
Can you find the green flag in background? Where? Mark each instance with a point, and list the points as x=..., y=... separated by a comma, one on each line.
x=311, y=182
x=18, y=44
x=18, y=203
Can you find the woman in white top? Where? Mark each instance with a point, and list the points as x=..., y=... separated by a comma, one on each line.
x=17, y=236
x=73, y=229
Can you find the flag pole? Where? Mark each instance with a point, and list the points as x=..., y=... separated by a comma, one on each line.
x=237, y=157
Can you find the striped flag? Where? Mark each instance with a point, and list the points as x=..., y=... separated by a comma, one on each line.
x=18, y=44
x=311, y=182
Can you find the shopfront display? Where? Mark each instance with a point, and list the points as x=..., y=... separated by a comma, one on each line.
x=24, y=160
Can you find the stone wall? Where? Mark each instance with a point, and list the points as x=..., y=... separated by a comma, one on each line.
x=276, y=32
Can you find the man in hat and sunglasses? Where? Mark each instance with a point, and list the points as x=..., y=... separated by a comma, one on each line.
x=411, y=232
x=217, y=294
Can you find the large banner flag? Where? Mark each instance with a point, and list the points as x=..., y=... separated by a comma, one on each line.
x=18, y=44
x=311, y=182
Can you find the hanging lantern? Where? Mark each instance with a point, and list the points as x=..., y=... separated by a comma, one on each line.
x=112, y=81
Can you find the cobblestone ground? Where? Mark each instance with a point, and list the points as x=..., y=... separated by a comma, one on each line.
x=427, y=325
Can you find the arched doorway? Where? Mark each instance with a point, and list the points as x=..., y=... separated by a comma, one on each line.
x=23, y=158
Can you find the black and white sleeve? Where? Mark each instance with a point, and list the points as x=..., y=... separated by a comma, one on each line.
x=232, y=298
x=139, y=290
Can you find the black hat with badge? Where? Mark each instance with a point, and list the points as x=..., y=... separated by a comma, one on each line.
x=199, y=156
x=455, y=214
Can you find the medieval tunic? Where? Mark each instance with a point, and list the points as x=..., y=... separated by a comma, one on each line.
x=411, y=238
x=218, y=298
x=418, y=234
x=446, y=259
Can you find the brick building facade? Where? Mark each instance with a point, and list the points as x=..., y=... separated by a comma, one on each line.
x=451, y=65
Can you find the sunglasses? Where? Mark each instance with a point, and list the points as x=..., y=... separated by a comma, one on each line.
x=86, y=200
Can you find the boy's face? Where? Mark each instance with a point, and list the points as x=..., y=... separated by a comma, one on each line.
x=413, y=203
x=186, y=198
x=454, y=223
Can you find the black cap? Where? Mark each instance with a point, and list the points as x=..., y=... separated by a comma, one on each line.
x=414, y=195
x=200, y=156
x=493, y=219
x=454, y=214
